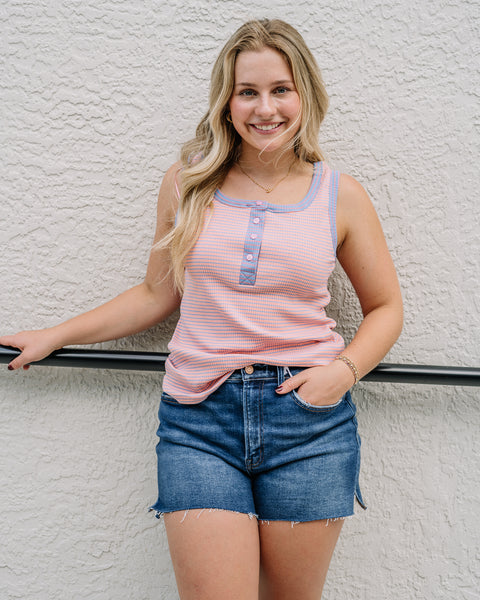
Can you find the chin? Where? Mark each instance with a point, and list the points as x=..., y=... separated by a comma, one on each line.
x=269, y=147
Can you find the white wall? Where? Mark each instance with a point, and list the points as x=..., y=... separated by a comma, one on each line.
x=96, y=98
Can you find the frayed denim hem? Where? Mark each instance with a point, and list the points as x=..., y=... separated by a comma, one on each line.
x=160, y=514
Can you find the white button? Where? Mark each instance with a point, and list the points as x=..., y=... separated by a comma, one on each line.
x=258, y=203
x=253, y=236
x=249, y=256
x=256, y=220
x=249, y=369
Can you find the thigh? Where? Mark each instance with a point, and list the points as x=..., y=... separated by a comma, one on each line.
x=215, y=554
x=295, y=558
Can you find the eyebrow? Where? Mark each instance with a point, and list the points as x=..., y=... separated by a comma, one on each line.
x=279, y=82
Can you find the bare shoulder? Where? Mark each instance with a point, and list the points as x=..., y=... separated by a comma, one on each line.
x=171, y=181
x=352, y=195
x=167, y=204
x=168, y=195
x=354, y=208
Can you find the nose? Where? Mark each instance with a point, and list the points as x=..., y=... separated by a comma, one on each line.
x=265, y=106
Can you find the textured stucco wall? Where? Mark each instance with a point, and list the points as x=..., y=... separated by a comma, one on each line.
x=95, y=99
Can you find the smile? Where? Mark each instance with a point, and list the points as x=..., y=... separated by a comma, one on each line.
x=269, y=127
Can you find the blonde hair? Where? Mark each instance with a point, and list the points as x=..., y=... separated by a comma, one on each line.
x=209, y=156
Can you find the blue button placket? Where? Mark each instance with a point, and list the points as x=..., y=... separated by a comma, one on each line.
x=253, y=243
x=256, y=223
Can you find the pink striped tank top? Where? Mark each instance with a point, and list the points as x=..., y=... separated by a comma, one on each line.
x=256, y=290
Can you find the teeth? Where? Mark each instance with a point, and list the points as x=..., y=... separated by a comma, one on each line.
x=267, y=127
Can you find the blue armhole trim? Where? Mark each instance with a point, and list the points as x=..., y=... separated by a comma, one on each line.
x=332, y=207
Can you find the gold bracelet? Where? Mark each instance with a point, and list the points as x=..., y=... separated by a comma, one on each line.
x=351, y=366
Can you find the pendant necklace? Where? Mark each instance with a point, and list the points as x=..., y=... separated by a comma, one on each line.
x=266, y=189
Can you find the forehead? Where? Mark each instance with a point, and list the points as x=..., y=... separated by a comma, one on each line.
x=258, y=66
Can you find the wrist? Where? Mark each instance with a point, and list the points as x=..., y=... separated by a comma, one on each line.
x=348, y=367
x=55, y=337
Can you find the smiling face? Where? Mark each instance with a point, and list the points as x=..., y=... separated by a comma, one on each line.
x=265, y=105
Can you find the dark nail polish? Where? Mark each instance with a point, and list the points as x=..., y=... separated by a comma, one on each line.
x=10, y=368
x=279, y=388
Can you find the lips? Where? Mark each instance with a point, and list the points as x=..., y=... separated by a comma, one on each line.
x=265, y=127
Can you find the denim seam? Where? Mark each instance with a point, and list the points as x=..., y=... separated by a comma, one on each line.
x=260, y=453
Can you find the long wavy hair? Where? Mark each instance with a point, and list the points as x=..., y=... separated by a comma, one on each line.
x=208, y=157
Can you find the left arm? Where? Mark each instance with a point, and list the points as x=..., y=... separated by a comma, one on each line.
x=363, y=254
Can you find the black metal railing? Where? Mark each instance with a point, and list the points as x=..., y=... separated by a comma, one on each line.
x=155, y=361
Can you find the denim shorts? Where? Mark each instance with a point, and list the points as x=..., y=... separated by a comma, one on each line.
x=247, y=449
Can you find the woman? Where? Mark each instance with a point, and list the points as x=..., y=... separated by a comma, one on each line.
x=259, y=454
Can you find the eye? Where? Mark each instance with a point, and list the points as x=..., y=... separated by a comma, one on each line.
x=281, y=90
x=247, y=93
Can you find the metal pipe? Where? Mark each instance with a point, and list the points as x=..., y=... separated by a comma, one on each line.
x=424, y=374
x=95, y=359
x=155, y=361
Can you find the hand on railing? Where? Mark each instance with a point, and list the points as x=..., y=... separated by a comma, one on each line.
x=33, y=346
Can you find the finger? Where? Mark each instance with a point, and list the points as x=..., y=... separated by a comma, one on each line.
x=292, y=383
x=8, y=340
x=19, y=361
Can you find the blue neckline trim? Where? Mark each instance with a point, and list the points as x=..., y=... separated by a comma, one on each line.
x=302, y=205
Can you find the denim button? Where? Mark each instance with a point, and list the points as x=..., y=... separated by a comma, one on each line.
x=249, y=369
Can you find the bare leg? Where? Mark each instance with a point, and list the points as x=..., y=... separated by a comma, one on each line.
x=215, y=554
x=295, y=560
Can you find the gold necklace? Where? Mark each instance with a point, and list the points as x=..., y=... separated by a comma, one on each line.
x=270, y=189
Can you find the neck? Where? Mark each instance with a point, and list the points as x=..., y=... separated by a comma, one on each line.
x=267, y=162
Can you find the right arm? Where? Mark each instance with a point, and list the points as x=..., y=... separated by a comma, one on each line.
x=136, y=309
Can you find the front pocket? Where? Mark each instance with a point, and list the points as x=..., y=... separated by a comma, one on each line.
x=315, y=407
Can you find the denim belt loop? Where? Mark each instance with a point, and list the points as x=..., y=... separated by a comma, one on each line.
x=282, y=374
